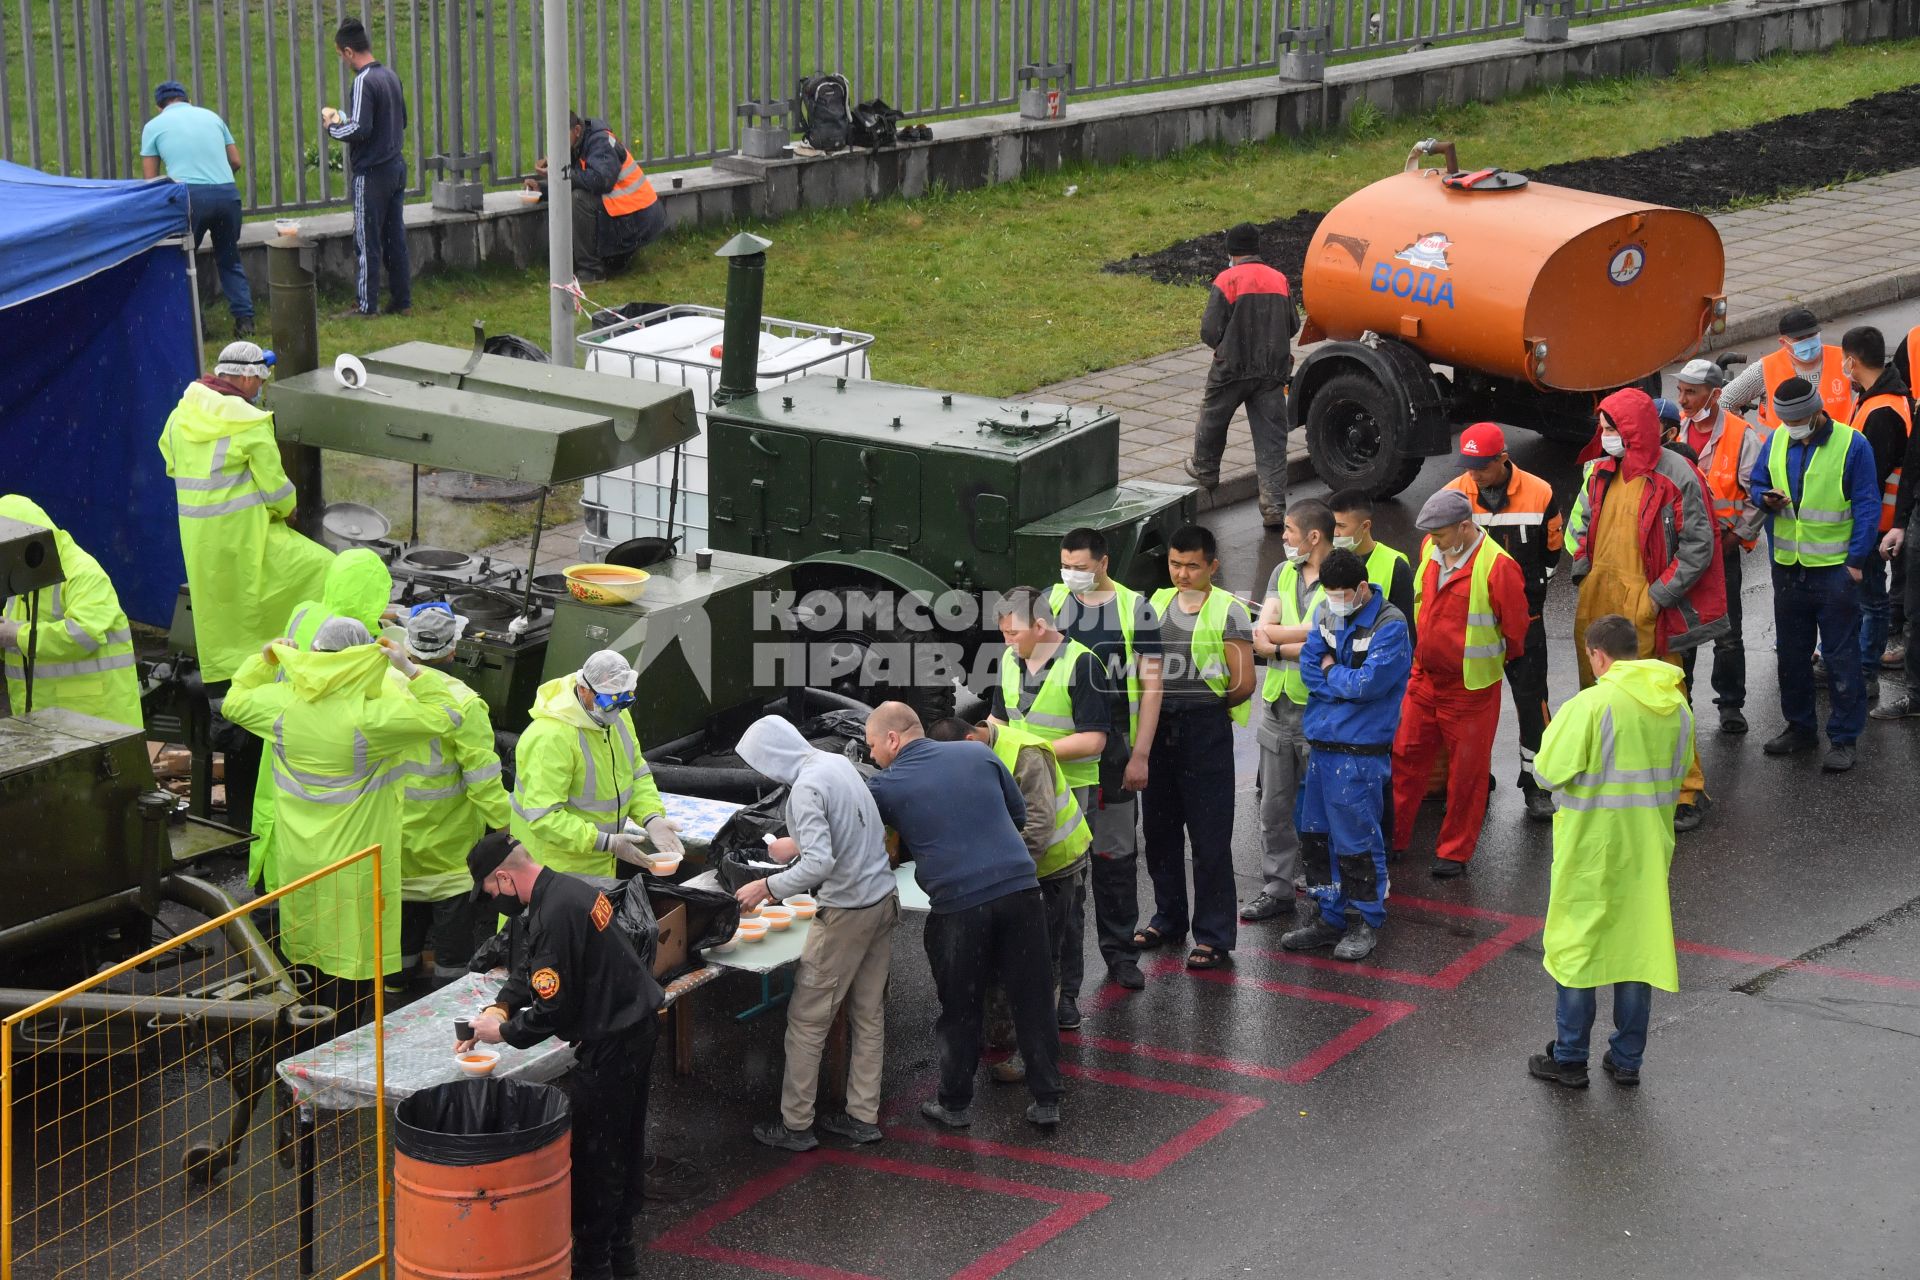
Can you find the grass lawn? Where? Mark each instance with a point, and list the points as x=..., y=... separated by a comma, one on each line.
x=1000, y=290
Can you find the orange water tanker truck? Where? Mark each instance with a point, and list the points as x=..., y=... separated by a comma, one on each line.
x=1439, y=297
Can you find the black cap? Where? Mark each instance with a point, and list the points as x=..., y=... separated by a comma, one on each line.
x=1243, y=240
x=1799, y=323
x=484, y=859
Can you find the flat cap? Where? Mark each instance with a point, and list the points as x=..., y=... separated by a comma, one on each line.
x=1447, y=507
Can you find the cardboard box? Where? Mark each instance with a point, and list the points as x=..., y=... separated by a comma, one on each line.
x=670, y=952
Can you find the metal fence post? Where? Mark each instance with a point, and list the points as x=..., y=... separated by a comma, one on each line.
x=106, y=139
x=1046, y=75
x=1303, y=44
x=455, y=187
x=1547, y=21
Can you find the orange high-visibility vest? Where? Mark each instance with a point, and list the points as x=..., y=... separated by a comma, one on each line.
x=631, y=192
x=1889, y=495
x=1836, y=393
x=1723, y=473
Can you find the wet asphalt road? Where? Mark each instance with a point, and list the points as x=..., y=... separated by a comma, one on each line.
x=1377, y=1120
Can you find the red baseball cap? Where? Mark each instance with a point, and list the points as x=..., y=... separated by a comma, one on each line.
x=1480, y=443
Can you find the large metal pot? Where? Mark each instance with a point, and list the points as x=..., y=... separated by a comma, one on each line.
x=350, y=524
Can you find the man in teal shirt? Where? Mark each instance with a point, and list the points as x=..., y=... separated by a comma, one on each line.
x=196, y=149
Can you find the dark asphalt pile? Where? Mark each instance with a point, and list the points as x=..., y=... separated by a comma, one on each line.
x=1870, y=136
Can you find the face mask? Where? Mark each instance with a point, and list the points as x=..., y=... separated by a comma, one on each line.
x=1077, y=580
x=1613, y=444
x=1342, y=606
x=507, y=906
x=1807, y=350
x=1344, y=544
x=1702, y=414
x=1800, y=432
x=604, y=716
x=1296, y=554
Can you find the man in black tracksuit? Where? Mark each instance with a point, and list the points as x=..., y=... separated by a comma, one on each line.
x=584, y=983
x=1249, y=322
x=374, y=127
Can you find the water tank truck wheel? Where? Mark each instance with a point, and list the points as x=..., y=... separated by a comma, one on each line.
x=860, y=653
x=1355, y=437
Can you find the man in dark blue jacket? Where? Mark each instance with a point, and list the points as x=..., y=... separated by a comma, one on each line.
x=374, y=127
x=958, y=812
x=1355, y=664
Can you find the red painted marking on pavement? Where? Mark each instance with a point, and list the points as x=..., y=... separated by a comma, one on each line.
x=1478, y=957
x=1799, y=966
x=689, y=1238
x=1233, y=1108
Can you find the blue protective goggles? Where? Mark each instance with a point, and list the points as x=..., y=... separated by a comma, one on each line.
x=441, y=605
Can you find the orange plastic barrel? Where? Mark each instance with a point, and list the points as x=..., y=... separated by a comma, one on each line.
x=1562, y=288
x=506, y=1218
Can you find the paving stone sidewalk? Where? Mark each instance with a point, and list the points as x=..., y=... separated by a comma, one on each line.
x=1841, y=249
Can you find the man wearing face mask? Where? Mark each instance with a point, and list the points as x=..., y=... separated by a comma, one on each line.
x=1819, y=486
x=1278, y=636
x=1802, y=355
x=1519, y=511
x=1471, y=601
x=246, y=567
x=1644, y=547
x=1123, y=632
x=1355, y=665
x=1727, y=446
x=1387, y=569
x=580, y=774
x=1883, y=414
x=583, y=982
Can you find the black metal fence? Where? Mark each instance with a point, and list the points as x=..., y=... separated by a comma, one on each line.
x=77, y=76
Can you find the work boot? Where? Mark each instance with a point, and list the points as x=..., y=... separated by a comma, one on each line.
x=1264, y=906
x=960, y=1119
x=669, y=1181
x=1790, y=742
x=243, y=326
x=1686, y=817
x=1544, y=1066
x=1839, y=758
x=1732, y=720
x=1067, y=1013
x=1205, y=479
x=856, y=1131
x=1011, y=1070
x=1625, y=1077
x=1312, y=936
x=774, y=1133
x=1901, y=708
x=1539, y=803
x=1895, y=657
x=1044, y=1114
x=1273, y=517
x=1447, y=868
x=1125, y=973
x=1357, y=943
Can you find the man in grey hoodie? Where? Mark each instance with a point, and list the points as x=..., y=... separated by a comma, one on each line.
x=837, y=847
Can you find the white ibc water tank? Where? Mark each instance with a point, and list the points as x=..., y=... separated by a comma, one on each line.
x=681, y=346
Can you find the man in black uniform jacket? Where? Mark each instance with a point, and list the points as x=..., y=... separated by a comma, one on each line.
x=584, y=984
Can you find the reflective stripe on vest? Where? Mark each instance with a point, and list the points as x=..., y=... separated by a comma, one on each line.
x=1208, y=645
x=605, y=814
x=1818, y=531
x=1050, y=716
x=111, y=652
x=1126, y=604
x=1836, y=391
x=1889, y=492
x=1633, y=786
x=631, y=190
x=1283, y=674
x=1071, y=836
x=1724, y=476
x=1483, y=651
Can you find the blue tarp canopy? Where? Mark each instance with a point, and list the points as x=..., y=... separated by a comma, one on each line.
x=97, y=341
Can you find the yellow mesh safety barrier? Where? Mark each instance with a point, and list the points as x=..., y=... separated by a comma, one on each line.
x=145, y=1132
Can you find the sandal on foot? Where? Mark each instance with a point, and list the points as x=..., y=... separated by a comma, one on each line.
x=1205, y=957
x=1150, y=938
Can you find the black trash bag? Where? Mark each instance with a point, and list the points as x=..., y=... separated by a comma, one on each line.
x=875, y=124
x=712, y=917
x=479, y=1121
x=741, y=840
x=515, y=348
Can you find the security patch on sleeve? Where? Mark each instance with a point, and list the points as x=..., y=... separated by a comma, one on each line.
x=546, y=983
x=602, y=913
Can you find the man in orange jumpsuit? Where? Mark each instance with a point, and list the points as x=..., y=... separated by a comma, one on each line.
x=1645, y=546
x=1470, y=605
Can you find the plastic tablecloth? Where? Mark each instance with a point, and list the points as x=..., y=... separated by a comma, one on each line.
x=777, y=950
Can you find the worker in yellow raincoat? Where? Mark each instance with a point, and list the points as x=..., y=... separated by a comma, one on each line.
x=246, y=569
x=579, y=774
x=81, y=645
x=338, y=731
x=358, y=586
x=1615, y=757
x=454, y=796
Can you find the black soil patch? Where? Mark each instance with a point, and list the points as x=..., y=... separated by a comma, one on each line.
x=1874, y=135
